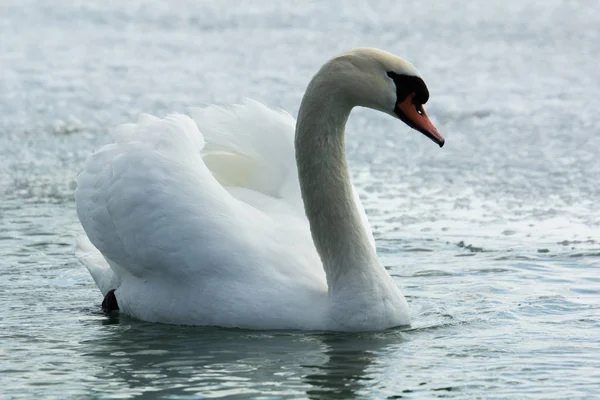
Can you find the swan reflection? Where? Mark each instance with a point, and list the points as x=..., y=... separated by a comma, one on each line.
x=136, y=358
x=351, y=366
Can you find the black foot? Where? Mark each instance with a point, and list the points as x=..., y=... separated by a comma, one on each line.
x=109, y=304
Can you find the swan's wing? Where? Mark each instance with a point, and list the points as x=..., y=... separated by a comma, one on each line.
x=147, y=200
x=250, y=148
x=151, y=206
x=168, y=201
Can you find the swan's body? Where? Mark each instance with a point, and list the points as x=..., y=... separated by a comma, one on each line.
x=203, y=221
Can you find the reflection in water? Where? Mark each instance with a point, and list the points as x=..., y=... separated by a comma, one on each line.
x=345, y=373
x=134, y=358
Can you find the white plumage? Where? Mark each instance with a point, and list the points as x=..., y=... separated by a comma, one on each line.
x=239, y=217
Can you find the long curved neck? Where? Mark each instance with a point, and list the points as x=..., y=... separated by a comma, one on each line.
x=335, y=223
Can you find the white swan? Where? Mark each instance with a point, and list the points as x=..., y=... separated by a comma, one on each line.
x=208, y=221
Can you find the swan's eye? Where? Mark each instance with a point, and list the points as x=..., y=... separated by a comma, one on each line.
x=419, y=110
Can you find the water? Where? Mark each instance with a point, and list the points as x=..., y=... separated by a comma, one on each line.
x=494, y=239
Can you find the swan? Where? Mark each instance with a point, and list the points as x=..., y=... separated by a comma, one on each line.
x=205, y=218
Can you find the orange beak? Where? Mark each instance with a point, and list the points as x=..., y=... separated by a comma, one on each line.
x=414, y=115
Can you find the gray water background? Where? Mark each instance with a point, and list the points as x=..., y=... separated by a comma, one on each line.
x=494, y=239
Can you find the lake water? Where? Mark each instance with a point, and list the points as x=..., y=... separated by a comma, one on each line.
x=494, y=239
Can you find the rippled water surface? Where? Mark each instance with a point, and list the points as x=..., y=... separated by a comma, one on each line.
x=494, y=239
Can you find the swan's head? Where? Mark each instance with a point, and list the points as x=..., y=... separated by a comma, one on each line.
x=376, y=79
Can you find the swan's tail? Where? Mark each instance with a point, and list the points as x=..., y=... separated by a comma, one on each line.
x=95, y=263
